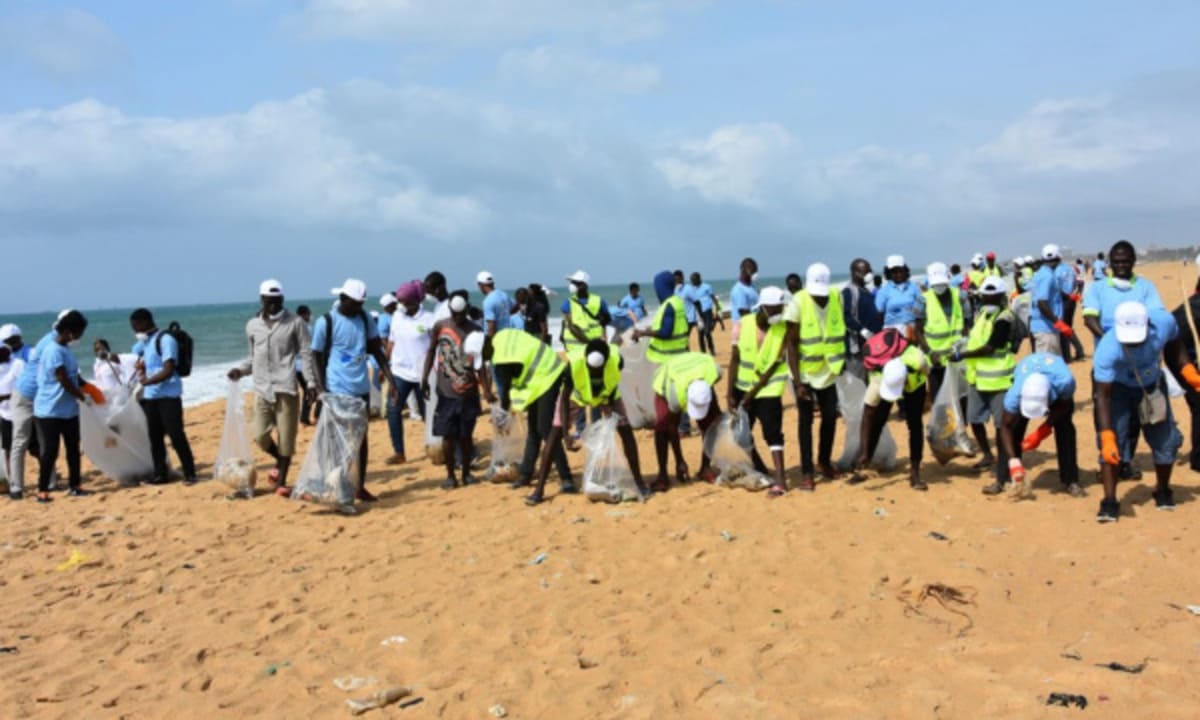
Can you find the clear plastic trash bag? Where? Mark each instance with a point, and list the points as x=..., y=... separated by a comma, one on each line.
x=606, y=474
x=947, y=429
x=434, y=450
x=724, y=444
x=852, y=394
x=637, y=382
x=330, y=470
x=508, y=445
x=235, y=459
x=115, y=438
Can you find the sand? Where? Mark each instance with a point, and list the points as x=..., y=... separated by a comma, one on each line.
x=704, y=602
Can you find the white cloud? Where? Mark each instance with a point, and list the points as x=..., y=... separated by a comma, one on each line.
x=735, y=164
x=66, y=44
x=548, y=67
x=1074, y=134
x=471, y=22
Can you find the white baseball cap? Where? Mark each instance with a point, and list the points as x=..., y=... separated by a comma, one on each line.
x=1131, y=322
x=977, y=259
x=473, y=348
x=1035, y=396
x=1019, y=261
x=993, y=285
x=699, y=400
x=937, y=274
x=1028, y=259
x=894, y=261
x=816, y=280
x=1050, y=252
x=457, y=303
x=771, y=295
x=485, y=278
x=8, y=331
x=353, y=289
x=270, y=288
x=388, y=299
x=596, y=359
x=895, y=373
x=580, y=277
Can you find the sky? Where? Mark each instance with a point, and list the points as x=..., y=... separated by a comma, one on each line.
x=164, y=153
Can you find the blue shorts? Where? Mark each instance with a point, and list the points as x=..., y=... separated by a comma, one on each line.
x=1164, y=438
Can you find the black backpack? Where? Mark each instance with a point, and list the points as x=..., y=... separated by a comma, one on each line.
x=183, y=365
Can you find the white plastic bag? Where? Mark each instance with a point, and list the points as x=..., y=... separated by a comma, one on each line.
x=947, y=431
x=724, y=443
x=115, y=438
x=434, y=450
x=852, y=393
x=637, y=384
x=235, y=459
x=606, y=474
x=330, y=470
x=1174, y=389
x=508, y=445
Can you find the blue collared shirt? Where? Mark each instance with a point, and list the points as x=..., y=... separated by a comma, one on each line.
x=1135, y=366
x=1062, y=383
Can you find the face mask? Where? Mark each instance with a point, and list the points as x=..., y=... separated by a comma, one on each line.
x=1122, y=284
x=102, y=355
x=572, y=288
x=276, y=316
x=941, y=289
x=142, y=337
x=753, y=277
x=73, y=343
x=868, y=279
x=775, y=319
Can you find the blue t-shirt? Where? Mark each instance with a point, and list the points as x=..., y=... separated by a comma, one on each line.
x=1062, y=383
x=346, y=367
x=1113, y=364
x=52, y=399
x=702, y=293
x=27, y=383
x=688, y=308
x=1046, y=286
x=1098, y=270
x=517, y=321
x=497, y=308
x=635, y=305
x=1102, y=298
x=900, y=304
x=172, y=387
x=385, y=325
x=742, y=299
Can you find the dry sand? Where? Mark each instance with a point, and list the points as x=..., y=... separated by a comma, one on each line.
x=704, y=602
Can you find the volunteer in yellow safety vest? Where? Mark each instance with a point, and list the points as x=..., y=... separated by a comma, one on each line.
x=757, y=366
x=901, y=379
x=592, y=381
x=530, y=374
x=990, y=368
x=816, y=355
x=945, y=321
x=585, y=316
x=669, y=332
x=685, y=383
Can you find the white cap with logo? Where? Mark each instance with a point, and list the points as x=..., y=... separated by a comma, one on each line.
x=993, y=285
x=270, y=288
x=699, y=400
x=485, y=278
x=1131, y=323
x=1035, y=396
x=388, y=299
x=977, y=259
x=354, y=289
x=580, y=277
x=1050, y=252
x=771, y=295
x=937, y=274
x=891, y=386
x=894, y=261
x=817, y=280
x=9, y=331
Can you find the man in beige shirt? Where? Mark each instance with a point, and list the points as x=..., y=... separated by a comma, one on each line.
x=276, y=338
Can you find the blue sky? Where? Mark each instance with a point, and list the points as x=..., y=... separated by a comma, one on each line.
x=155, y=153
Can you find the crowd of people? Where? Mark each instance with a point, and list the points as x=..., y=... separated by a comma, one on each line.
x=901, y=337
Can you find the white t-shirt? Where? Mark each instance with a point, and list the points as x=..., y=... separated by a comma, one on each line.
x=441, y=311
x=410, y=338
x=112, y=374
x=9, y=372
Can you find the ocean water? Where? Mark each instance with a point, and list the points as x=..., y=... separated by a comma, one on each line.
x=219, y=330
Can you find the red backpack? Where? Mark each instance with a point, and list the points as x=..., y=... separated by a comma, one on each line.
x=883, y=346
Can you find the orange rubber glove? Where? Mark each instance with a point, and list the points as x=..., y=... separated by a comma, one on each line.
x=1192, y=376
x=1036, y=437
x=95, y=393
x=1064, y=328
x=1108, y=447
x=1075, y=298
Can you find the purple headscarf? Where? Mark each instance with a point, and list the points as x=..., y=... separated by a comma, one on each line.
x=410, y=292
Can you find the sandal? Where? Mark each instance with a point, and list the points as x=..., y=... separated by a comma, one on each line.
x=808, y=484
x=776, y=491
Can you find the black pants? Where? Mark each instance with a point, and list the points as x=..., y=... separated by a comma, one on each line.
x=937, y=376
x=307, y=396
x=1064, y=444
x=164, y=417
x=706, y=335
x=540, y=421
x=1073, y=343
x=827, y=399
x=767, y=413
x=914, y=407
x=49, y=432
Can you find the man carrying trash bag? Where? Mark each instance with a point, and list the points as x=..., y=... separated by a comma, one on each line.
x=901, y=379
x=591, y=381
x=685, y=383
x=530, y=375
x=1042, y=387
x=758, y=361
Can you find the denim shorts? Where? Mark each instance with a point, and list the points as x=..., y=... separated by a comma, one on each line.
x=1164, y=438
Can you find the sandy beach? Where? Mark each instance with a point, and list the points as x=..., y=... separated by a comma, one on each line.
x=704, y=602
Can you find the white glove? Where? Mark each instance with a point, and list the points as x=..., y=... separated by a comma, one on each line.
x=866, y=334
x=959, y=345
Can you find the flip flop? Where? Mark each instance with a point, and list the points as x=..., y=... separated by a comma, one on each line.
x=534, y=499
x=776, y=491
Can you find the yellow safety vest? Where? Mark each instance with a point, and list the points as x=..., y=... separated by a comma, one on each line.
x=755, y=360
x=942, y=331
x=582, y=395
x=540, y=365
x=916, y=362
x=995, y=372
x=820, y=345
x=585, y=315
x=673, y=378
x=663, y=349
